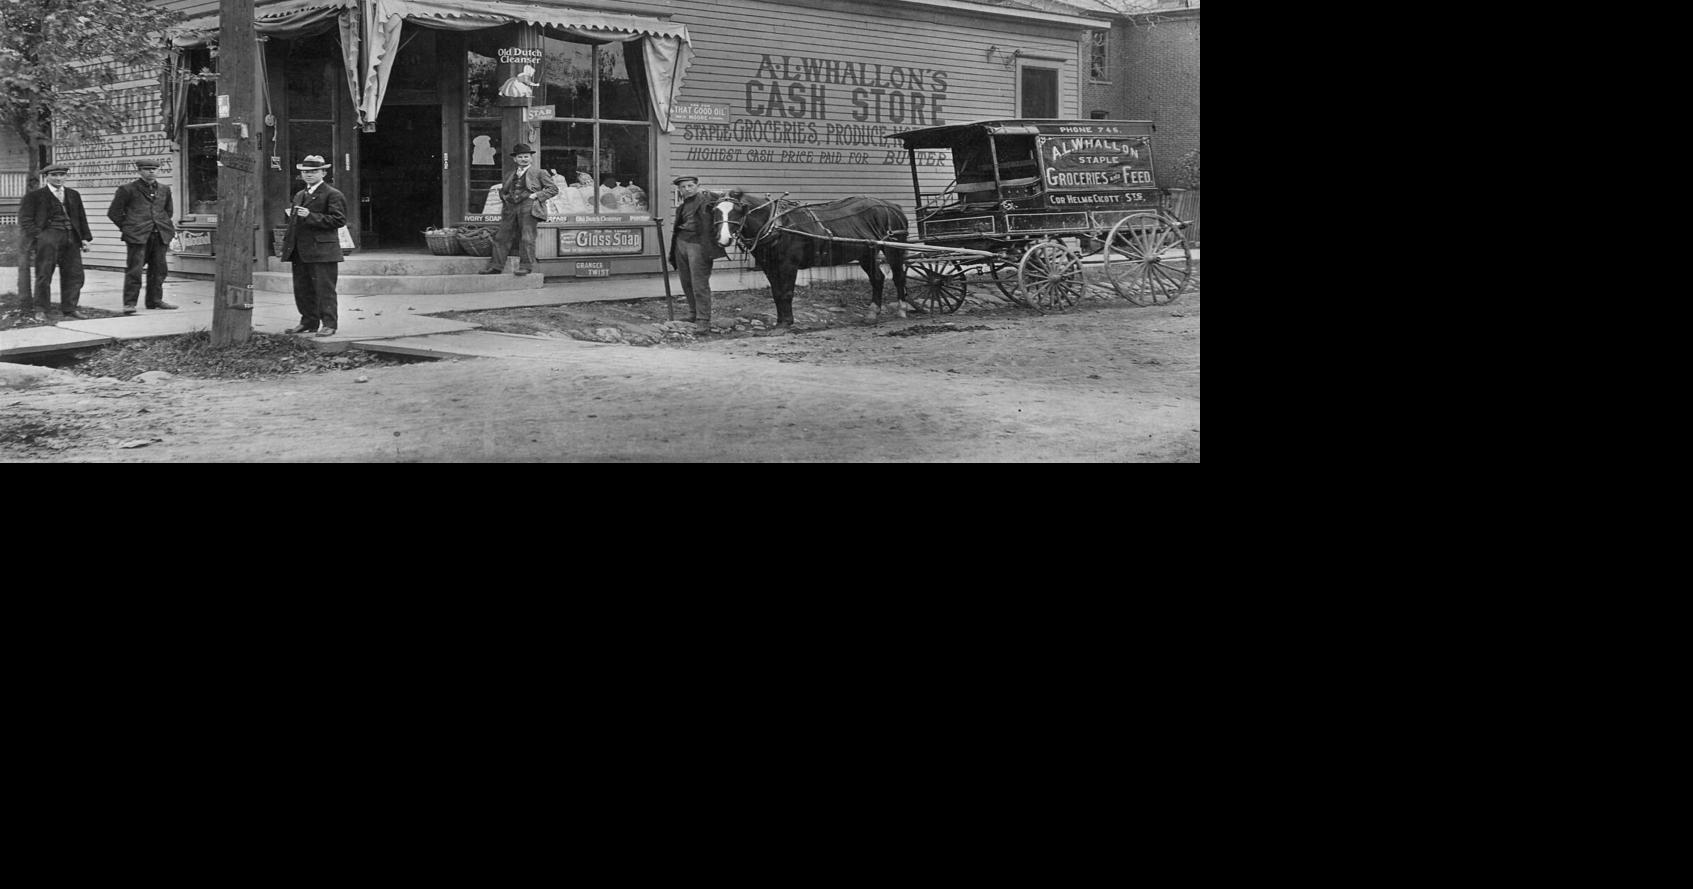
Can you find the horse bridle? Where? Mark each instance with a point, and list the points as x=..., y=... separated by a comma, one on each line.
x=736, y=224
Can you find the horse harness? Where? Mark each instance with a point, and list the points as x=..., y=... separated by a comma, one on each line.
x=770, y=228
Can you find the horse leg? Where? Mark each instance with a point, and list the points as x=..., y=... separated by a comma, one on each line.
x=782, y=290
x=868, y=262
x=896, y=264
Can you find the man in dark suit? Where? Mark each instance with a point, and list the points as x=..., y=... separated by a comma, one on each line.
x=694, y=247
x=53, y=219
x=313, y=246
x=142, y=210
x=523, y=204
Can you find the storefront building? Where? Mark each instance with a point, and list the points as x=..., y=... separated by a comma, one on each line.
x=418, y=102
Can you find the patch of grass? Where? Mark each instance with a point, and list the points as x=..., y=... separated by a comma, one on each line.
x=193, y=355
x=12, y=316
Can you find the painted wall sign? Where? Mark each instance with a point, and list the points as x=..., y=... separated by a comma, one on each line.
x=519, y=81
x=595, y=241
x=802, y=88
x=540, y=112
x=805, y=111
x=593, y=270
x=699, y=112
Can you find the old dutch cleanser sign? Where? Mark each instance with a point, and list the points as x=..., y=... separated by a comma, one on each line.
x=518, y=79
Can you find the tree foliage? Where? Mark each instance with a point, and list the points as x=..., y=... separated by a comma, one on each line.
x=54, y=56
x=1187, y=170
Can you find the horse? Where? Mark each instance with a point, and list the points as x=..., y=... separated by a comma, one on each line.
x=775, y=232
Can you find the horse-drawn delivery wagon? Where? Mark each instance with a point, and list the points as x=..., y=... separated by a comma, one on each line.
x=1035, y=207
x=1032, y=202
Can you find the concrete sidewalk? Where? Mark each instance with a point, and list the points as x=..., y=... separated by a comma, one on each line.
x=366, y=316
x=362, y=316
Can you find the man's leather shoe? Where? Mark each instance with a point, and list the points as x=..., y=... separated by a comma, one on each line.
x=490, y=271
x=37, y=316
x=327, y=331
x=522, y=272
x=129, y=310
x=73, y=313
x=301, y=329
x=162, y=305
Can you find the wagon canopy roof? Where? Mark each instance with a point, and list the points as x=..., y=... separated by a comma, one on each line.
x=952, y=134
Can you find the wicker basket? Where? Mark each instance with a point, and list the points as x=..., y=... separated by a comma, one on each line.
x=442, y=241
x=476, y=241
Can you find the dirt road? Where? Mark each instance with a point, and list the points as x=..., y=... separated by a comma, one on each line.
x=1104, y=382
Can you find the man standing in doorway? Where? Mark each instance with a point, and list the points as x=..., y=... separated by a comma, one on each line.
x=143, y=211
x=53, y=219
x=523, y=204
x=693, y=248
x=313, y=246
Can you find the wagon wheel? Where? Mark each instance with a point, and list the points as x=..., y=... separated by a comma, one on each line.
x=936, y=285
x=1050, y=277
x=1147, y=259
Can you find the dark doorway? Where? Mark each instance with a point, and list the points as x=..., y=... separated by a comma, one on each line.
x=400, y=177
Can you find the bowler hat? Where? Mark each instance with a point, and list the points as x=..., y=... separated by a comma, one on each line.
x=146, y=164
x=521, y=148
x=313, y=162
x=55, y=168
x=681, y=179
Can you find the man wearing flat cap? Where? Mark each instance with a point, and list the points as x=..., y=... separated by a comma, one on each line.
x=523, y=204
x=143, y=211
x=53, y=219
x=694, y=247
x=312, y=246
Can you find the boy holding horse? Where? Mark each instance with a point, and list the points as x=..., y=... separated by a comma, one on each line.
x=694, y=247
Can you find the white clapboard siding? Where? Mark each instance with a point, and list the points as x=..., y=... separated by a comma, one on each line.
x=731, y=40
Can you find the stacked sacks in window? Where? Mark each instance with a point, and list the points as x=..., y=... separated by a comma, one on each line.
x=569, y=200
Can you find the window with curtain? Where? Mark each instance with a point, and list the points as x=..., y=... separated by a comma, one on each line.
x=1099, y=55
x=600, y=145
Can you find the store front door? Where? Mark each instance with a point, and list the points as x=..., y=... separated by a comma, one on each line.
x=400, y=178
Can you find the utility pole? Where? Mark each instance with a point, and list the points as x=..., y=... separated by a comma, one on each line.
x=239, y=197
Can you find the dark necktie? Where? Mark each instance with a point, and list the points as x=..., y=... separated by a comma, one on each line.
x=512, y=188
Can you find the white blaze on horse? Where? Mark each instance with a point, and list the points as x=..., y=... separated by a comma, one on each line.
x=785, y=236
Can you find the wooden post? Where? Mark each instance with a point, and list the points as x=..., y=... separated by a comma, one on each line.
x=239, y=198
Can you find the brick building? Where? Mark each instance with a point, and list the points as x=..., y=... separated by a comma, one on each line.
x=1145, y=68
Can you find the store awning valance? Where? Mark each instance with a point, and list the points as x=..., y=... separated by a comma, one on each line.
x=369, y=32
x=287, y=20
x=666, y=53
x=488, y=13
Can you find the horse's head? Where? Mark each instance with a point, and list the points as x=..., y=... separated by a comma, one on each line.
x=729, y=216
x=744, y=219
